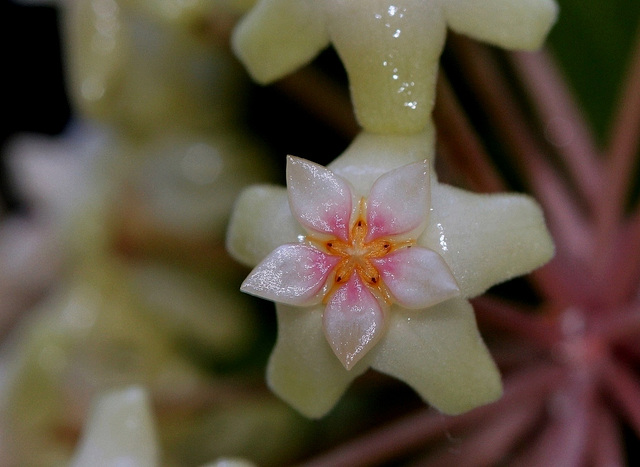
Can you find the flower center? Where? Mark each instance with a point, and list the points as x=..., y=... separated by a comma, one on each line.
x=357, y=253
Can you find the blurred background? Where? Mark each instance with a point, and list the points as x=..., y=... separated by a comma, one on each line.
x=220, y=406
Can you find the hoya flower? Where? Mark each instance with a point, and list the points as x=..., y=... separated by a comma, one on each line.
x=390, y=48
x=359, y=256
x=370, y=262
x=120, y=431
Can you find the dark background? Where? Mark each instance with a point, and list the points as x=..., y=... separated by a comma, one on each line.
x=33, y=90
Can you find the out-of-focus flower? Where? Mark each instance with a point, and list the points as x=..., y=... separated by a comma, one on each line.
x=478, y=239
x=120, y=431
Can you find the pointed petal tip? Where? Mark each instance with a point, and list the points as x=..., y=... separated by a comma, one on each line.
x=293, y=274
x=303, y=370
x=121, y=427
x=441, y=355
x=353, y=322
x=248, y=287
x=349, y=358
x=398, y=203
x=417, y=277
x=320, y=200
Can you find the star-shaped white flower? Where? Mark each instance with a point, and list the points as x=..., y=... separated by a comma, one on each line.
x=421, y=332
x=359, y=255
x=390, y=48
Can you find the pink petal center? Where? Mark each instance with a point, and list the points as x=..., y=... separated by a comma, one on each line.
x=398, y=202
x=353, y=321
x=417, y=277
x=320, y=200
x=293, y=274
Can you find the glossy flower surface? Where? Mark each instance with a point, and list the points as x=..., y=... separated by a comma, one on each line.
x=358, y=257
x=390, y=48
x=420, y=334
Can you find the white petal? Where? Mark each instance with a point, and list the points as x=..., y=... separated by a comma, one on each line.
x=371, y=155
x=302, y=369
x=523, y=24
x=417, y=277
x=399, y=202
x=292, y=274
x=353, y=321
x=260, y=222
x=278, y=36
x=120, y=431
x=321, y=201
x=439, y=353
x=486, y=239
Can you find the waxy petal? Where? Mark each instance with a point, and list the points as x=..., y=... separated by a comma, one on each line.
x=439, y=352
x=293, y=274
x=278, y=36
x=486, y=239
x=320, y=200
x=353, y=321
x=398, y=203
x=261, y=221
x=523, y=24
x=302, y=369
x=417, y=277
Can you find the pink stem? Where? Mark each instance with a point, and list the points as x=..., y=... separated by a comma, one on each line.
x=606, y=441
x=623, y=325
x=514, y=354
x=559, y=283
x=491, y=442
x=387, y=442
x=565, y=126
x=415, y=430
x=569, y=228
x=624, y=388
x=521, y=323
x=462, y=143
x=328, y=102
x=630, y=349
x=621, y=158
x=566, y=222
x=564, y=441
x=624, y=269
x=623, y=146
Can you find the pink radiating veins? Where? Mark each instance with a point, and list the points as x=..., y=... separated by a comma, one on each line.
x=359, y=256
